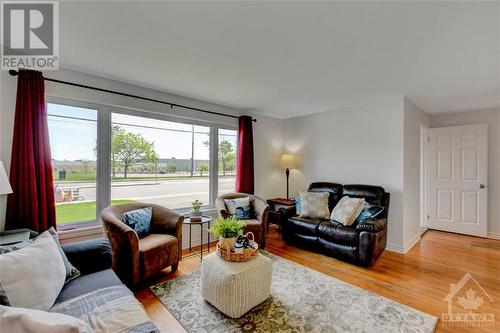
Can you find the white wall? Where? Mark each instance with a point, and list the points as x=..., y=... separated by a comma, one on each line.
x=492, y=118
x=267, y=130
x=361, y=144
x=414, y=117
x=8, y=88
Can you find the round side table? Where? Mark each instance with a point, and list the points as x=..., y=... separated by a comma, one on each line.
x=204, y=220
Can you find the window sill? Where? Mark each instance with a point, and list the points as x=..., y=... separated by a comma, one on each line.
x=80, y=233
x=91, y=229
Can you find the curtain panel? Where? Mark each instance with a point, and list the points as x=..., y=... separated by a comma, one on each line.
x=31, y=205
x=244, y=170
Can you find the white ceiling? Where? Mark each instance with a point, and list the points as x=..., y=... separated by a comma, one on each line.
x=289, y=59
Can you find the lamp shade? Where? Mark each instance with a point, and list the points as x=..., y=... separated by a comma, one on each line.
x=287, y=161
x=4, y=181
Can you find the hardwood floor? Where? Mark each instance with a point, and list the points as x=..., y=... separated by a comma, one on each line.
x=420, y=279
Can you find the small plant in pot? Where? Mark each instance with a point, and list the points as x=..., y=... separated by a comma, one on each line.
x=196, y=208
x=228, y=229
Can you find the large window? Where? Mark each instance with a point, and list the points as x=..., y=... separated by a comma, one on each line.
x=160, y=162
x=103, y=156
x=73, y=137
x=227, y=160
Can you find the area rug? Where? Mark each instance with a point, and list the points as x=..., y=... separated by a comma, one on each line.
x=302, y=300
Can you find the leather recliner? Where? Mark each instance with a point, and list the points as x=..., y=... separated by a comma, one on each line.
x=360, y=244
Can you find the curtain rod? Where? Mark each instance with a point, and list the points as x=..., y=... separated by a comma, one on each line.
x=15, y=73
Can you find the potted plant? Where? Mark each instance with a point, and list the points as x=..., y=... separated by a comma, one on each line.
x=196, y=208
x=228, y=229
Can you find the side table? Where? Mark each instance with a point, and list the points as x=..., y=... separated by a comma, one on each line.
x=204, y=220
x=277, y=206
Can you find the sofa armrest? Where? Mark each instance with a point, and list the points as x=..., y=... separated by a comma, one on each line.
x=375, y=225
x=89, y=256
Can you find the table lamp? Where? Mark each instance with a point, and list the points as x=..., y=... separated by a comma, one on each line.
x=287, y=162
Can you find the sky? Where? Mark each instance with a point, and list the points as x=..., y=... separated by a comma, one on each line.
x=75, y=139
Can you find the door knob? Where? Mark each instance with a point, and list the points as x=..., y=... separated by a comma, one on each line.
x=482, y=186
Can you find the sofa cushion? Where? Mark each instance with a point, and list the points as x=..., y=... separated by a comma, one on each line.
x=334, y=190
x=337, y=233
x=155, y=252
x=239, y=207
x=344, y=252
x=33, y=276
x=314, y=205
x=85, y=284
x=22, y=320
x=304, y=226
x=371, y=194
x=347, y=210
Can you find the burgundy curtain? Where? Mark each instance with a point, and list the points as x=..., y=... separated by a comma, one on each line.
x=244, y=170
x=31, y=205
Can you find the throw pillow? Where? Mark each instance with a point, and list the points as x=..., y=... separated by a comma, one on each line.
x=298, y=210
x=71, y=271
x=369, y=212
x=21, y=320
x=347, y=210
x=32, y=277
x=239, y=207
x=139, y=220
x=314, y=205
x=15, y=247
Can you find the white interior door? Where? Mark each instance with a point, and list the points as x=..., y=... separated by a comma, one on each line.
x=458, y=168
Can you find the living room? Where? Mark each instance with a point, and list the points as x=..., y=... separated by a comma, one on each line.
x=352, y=144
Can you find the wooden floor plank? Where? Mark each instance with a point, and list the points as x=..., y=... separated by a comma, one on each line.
x=420, y=279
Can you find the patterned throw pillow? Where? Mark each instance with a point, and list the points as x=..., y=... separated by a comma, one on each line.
x=239, y=207
x=314, y=204
x=347, y=210
x=369, y=212
x=139, y=220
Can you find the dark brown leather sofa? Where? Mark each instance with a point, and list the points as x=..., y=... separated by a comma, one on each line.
x=360, y=244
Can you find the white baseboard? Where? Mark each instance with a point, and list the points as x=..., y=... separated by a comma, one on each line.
x=494, y=235
x=395, y=248
x=403, y=249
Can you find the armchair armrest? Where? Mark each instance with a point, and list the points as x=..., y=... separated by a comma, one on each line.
x=220, y=206
x=167, y=221
x=260, y=208
x=375, y=225
x=125, y=246
x=89, y=256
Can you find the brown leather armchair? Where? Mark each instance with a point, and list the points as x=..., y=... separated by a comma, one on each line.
x=260, y=210
x=134, y=259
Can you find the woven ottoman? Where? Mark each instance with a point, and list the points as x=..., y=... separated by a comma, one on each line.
x=235, y=287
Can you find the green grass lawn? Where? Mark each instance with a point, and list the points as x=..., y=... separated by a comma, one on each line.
x=84, y=177
x=80, y=211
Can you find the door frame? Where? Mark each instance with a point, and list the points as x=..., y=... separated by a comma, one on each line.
x=424, y=179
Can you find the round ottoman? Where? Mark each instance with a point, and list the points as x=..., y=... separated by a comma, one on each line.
x=235, y=287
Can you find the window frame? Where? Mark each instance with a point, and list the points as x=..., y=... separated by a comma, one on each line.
x=103, y=165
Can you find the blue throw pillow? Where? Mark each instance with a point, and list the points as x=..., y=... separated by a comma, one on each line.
x=139, y=220
x=298, y=209
x=369, y=212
